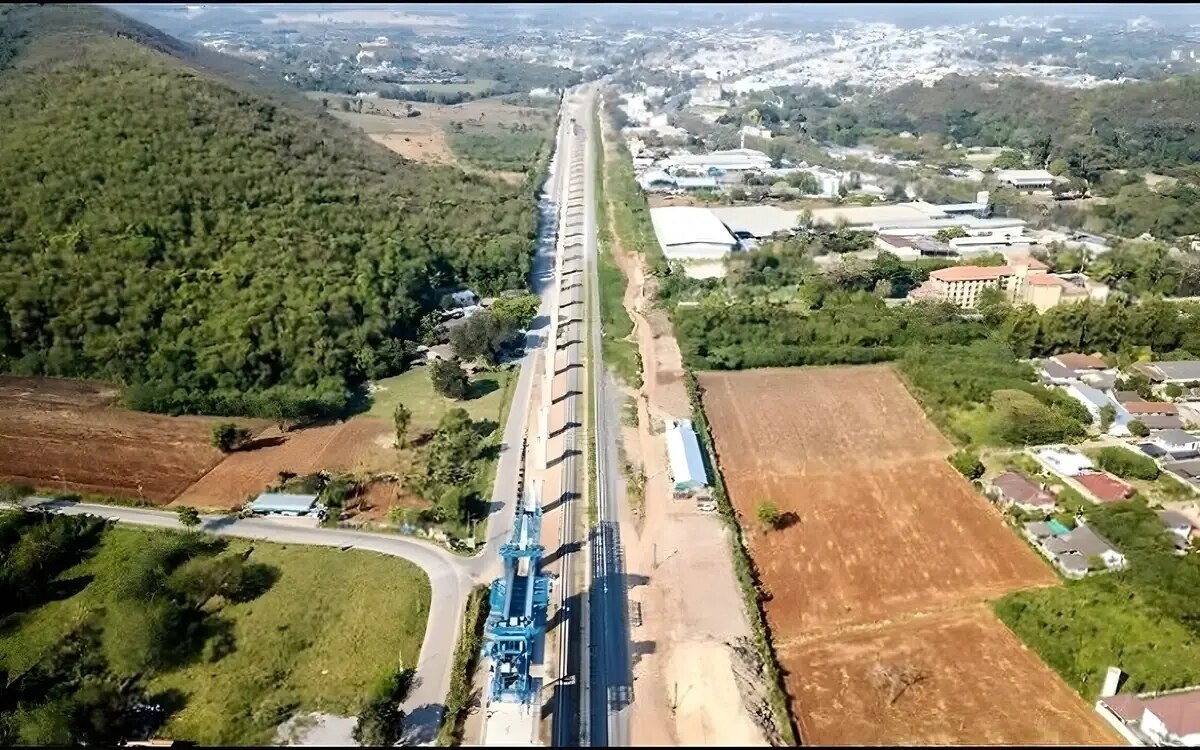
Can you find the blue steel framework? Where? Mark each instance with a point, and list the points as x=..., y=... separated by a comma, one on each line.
x=517, y=615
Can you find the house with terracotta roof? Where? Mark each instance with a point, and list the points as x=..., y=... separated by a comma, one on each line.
x=1104, y=487
x=1080, y=362
x=1144, y=408
x=1017, y=489
x=1169, y=719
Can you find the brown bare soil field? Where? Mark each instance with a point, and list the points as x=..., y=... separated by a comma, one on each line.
x=360, y=445
x=879, y=533
x=882, y=524
x=977, y=684
x=68, y=435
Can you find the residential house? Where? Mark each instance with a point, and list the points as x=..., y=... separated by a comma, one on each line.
x=1104, y=487
x=1187, y=471
x=1152, y=450
x=1080, y=363
x=1015, y=488
x=1177, y=442
x=1170, y=719
x=1055, y=374
x=1074, y=551
x=1095, y=401
x=1180, y=373
x=1161, y=422
x=1139, y=409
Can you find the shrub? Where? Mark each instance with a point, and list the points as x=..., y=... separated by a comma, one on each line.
x=967, y=464
x=1138, y=428
x=768, y=514
x=1126, y=464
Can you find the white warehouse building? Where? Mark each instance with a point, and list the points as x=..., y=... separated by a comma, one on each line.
x=683, y=450
x=694, y=237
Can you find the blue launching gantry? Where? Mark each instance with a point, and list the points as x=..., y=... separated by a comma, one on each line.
x=517, y=616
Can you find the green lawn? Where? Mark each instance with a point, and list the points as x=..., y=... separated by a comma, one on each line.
x=331, y=624
x=491, y=392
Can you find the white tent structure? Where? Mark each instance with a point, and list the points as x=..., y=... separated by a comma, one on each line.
x=683, y=451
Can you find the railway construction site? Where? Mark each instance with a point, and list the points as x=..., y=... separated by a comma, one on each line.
x=877, y=574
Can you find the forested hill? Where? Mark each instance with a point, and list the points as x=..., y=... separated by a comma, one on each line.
x=1138, y=124
x=214, y=249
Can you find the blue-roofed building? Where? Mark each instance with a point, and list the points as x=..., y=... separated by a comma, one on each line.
x=283, y=503
x=683, y=450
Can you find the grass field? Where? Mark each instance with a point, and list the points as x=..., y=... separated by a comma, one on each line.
x=490, y=394
x=331, y=624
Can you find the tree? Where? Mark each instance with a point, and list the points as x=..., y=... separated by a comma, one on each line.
x=768, y=514
x=402, y=417
x=453, y=449
x=1173, y=390
x=227, y=436
x=449, y=379
x=1058, y=166
x=1138, y=428
x=380, y=720
x=189, y=517
x=776, y=151
x=1108, y=413
x=1009, y=160
x=521, y=310
x=967, y=463
x=483, y=335
x=949, y=233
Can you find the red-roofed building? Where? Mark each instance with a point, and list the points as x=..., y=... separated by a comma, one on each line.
x=1104, y=487
x=1164, y=719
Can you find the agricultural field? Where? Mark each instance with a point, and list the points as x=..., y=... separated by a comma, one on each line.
x=72, y=436
x=880, y=542
x=358, y=446
x=956, y=678
x=314, y=641
x=427, y=137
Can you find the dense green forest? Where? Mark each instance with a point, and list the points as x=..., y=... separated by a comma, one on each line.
x=1135, y=125
x=213, y=249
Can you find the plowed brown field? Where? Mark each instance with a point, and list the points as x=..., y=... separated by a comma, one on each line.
x=66, y=435
x=878, y=530
x=362, y=445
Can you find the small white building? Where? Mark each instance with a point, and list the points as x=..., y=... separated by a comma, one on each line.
x=1025, y=179
x=683, y=451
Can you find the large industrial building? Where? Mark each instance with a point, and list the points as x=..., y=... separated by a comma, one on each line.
x=694, y=237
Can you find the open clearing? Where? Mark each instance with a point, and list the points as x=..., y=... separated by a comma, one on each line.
x=359, y=446
x=978, y=685
x=69, y=435
x=315, y=641
x=880, y=532
x=423, y=138
x=488, y=397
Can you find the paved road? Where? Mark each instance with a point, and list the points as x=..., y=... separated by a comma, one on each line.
x=611, y=671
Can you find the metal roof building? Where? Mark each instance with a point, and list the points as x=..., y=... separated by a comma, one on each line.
x=282, y=502
x=683, y=450
x=759, y=221
x=694, y=236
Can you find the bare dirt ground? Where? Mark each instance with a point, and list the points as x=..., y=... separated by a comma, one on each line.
x=882, y=546
x=973, y=683
x=423, y=138
x=360, y=446
x=680, y=567
x=69, y=436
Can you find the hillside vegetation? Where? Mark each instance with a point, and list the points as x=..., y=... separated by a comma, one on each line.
x=180, y=230
x=1134, y=125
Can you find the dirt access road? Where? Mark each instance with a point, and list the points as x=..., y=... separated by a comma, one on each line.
x=877, y=577
x=680, y=567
